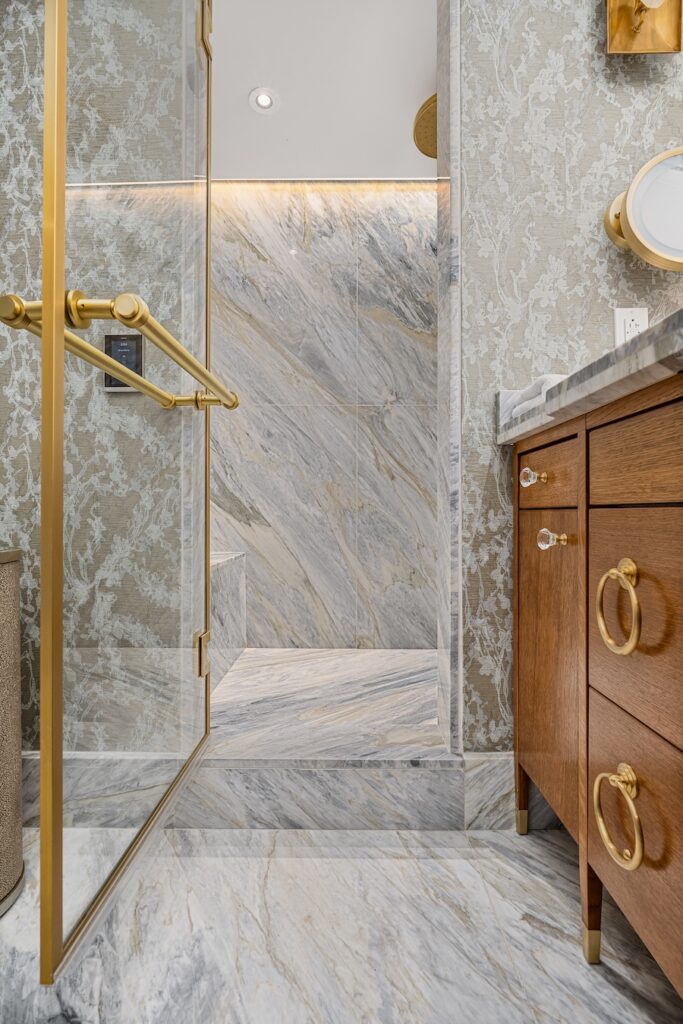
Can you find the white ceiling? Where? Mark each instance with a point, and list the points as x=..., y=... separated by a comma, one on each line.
x=350, y=76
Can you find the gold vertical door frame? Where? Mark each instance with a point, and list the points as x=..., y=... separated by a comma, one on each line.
x=52, y=488
x=54, y=947
x=206, y=33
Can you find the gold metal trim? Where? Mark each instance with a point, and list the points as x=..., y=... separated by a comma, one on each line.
x=626, y=574
x=612, y=223
x=522, y=822
x=15, y=313
x=132, y=312
x=206, y=32
x=207, y=26
x=591, y=944
x=633, y=27
x=200, y=644
x=626, y=782
x=52, y=489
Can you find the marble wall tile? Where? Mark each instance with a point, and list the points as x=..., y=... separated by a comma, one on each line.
x=552, y=129
x=448, y=532
x=228, y=612
x=397, y=283
x=324, y=321
x=284, y=492
x=395, y=526
x=490, y=794
x=284, y=291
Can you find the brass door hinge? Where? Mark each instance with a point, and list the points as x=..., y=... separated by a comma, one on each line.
x=207, y=24
x=200, y=642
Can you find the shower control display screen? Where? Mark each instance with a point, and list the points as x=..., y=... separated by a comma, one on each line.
x=127, y=350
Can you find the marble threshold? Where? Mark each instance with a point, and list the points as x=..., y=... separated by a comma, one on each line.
x=652, y=356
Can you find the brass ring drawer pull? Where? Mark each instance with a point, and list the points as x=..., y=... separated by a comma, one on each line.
x=626, y=574
x=626, y=782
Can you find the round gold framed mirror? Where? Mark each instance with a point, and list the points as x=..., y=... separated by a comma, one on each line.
x=648, y=218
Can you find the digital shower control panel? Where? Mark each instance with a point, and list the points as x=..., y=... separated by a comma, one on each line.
x=126, y=349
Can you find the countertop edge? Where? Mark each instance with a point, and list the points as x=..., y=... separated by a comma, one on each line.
x=653, y=356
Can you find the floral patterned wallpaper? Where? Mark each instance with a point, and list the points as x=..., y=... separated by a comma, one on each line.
x=136, y=113
x=552, y=129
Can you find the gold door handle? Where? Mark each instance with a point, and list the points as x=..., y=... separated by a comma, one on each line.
x=626, y=574
x=626, y=782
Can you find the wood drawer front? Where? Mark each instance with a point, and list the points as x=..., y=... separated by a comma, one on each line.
x=649, y=682
x=638, y=460
x=548, y=660
x=652, y=895
x=560, y=462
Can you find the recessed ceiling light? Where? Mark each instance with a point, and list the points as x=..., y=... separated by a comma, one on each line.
x=264, y=100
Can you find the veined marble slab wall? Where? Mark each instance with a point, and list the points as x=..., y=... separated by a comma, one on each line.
x=552, y=129
x=324, y=320
x=133, y=508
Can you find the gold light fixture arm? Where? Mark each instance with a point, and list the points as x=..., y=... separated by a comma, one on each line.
x=20, y=315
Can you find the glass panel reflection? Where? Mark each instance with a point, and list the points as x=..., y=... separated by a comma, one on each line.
x=134, y=503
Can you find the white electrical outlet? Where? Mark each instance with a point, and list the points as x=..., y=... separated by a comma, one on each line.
x=628, y=323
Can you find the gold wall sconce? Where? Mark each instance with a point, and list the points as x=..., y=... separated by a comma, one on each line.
x=424, y=129
x=648, y=218
x=644, y=26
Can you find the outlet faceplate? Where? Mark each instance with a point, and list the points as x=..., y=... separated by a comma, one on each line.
x=628, y=323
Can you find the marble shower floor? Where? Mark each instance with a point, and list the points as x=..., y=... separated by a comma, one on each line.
x=324, y=706
x=282, y=927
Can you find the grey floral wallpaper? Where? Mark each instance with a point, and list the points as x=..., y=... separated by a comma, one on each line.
x=324, y=319
x=552, y=129
x=133, y=501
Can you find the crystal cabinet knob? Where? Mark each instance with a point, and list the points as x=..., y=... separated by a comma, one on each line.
x=547, y=539
x=528, y=477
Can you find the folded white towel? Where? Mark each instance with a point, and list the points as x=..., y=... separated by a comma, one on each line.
x=533, y=395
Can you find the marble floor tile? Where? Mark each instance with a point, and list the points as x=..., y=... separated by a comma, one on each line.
x=279, y=927
x=328, y=704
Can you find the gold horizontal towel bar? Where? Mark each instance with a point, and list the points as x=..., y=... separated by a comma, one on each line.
x=131, y=311
x=28, y=315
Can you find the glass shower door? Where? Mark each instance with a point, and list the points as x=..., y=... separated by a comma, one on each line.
x=125, y=459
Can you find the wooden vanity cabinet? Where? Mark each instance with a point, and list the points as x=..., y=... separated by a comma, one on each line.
x=599, y=655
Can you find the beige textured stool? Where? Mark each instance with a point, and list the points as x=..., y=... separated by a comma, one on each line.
x=11, y=854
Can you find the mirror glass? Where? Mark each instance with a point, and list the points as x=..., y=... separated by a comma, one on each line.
x=658, y=207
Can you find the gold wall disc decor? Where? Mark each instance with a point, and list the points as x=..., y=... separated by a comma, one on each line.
x=424, y=129
x=648, y=218
x=644, y=26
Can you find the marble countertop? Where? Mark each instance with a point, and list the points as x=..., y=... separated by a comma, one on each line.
x=653, y=356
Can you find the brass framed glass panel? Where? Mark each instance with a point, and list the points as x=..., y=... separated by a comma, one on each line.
x=124, y=501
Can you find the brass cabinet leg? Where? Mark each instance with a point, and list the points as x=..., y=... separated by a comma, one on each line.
x=522, y=800
x=591, y=910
